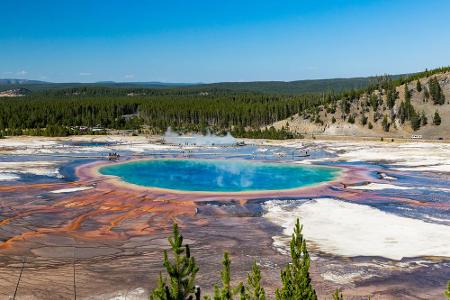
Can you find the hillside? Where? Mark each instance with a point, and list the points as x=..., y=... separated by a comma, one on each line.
x=355, y=116
x=387, y=107
x=295, y=87
x=15, y=92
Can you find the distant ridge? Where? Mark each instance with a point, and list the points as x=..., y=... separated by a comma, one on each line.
x=36, y=85
x=273, y=87
x=297, y=86
x=13, y=81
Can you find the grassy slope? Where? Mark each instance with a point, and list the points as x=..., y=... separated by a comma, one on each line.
x=342, y=127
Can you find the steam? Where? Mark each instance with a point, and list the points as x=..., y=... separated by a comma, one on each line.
x=208, y=139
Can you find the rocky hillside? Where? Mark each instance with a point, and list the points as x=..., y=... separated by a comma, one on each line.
x=399, y=108
x=16, y=92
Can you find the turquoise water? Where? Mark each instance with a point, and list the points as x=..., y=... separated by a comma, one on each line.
x=219, y=175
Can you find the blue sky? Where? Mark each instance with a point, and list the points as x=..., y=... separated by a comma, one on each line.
x=228, y=40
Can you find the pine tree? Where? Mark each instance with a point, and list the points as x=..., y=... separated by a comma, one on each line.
x=436, y=119
x=426, y=94
x=392, y=95
x=386, y=125
x=374, y=102
x=182, y=271
x=226, y=292
x=402, y=114
x=254, y=289
x=351, y=119
x=436, y=91
x=364, y=120
x=415, y=121
x=418, y=86
x=423, y=118
x=337, y=295
x=295, y=276
x=370, y=126
x=407, y=94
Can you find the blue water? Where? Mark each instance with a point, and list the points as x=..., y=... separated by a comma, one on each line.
x=219, y=175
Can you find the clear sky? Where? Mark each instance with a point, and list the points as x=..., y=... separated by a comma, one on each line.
x=226, y=40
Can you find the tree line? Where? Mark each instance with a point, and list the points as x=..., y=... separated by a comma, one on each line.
x=185, y=112
x=56, y=112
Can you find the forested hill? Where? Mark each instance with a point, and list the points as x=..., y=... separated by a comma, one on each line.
x=269, y=87
x=298, y=86
x=387, y=106
x=40, y=86
x=416, y=105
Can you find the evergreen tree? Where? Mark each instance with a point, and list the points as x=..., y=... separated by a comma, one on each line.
x=181, y=270
x=295, y=276
x=436, y=91
x=364, y=120
x=418, y=86
x=436, y=118
x=415, y=121
x=254, y=289
x=391, y=97
x=345, y=105
x=426, y=94
x=423, y=118
x=351, y=119
x=407, y=94
x=402, y=112
x=370, y=126
x=226, y=292
x=386, y=125
x=317, y=120
x=337, y=295
x=374, y=102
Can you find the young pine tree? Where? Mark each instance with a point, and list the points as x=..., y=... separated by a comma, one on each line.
x=391, y=96
x=426, y=94
x=436, y=91
x=385, y=124
x=254, y=289
x=182, y=270
x=436, y=119
x=337, y=295
x=351, y=119
x=407, y=93
x=226, y=292
x=364, y=120
x=423, y=118
x=295, y=276
x=415, y=121
x=418, y=86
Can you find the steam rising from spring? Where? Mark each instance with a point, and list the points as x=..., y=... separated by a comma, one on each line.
x=208, y=139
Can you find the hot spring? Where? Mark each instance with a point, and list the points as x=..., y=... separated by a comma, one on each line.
x=203, y=175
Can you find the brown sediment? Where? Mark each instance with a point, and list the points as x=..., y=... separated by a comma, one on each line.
x=131, y=224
